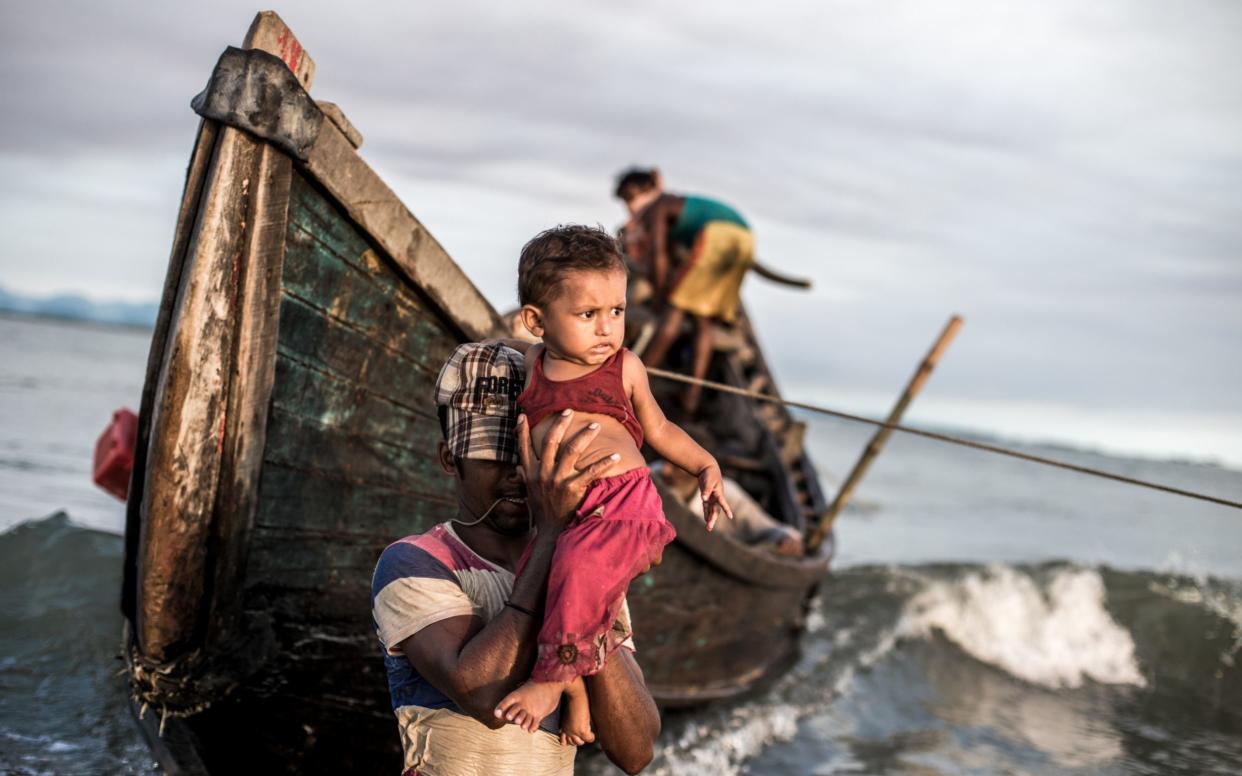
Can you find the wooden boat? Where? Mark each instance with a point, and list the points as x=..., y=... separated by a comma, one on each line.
x=286, y=435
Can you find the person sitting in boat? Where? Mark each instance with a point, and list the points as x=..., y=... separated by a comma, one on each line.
x=571, y=285
x=751, y=524
x=457, y=626
x=707, y=285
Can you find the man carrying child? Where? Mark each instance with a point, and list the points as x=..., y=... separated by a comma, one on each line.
x=458, y=627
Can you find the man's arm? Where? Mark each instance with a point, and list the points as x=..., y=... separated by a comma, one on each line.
x=659, y=216
x=476, y=665
x=624, y=714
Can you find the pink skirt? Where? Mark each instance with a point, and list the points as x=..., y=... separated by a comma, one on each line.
x=618, y=533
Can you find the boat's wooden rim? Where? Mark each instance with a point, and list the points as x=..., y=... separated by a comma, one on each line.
x=335, y=164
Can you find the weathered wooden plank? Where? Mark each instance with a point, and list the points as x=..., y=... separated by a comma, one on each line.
x=183, y=466
x=196, y=174
x=332, y=112
x=321, y=280
x=682, y=656
x=316, y=687
x=321, y=225
x=330, y=641
x=378, y=527
x=310, y=338
x=331, y=686
x=292, y=499
x=375, y=208
x=268, y=32
x=333, y=268
x=303, y=599
x=337, y=455
x=317, y=220
x=335, y=382
x=291, y=550
x=316, y=596
x=335, y=403
x=254, y=368
x=263, y=728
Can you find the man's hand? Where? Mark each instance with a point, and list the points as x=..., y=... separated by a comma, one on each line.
x=711, y=489
x=475, y=664
x=554, y=483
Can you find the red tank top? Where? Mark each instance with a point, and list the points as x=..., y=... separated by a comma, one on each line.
x=601, y=392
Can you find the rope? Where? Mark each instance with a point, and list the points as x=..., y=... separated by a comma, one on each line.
x=480, y=518
x=946, y=438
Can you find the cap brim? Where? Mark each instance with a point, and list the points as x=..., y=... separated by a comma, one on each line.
x=481, y=437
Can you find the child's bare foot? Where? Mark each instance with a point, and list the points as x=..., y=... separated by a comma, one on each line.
x=572, y=736
x=576, y=716
x=529, y=704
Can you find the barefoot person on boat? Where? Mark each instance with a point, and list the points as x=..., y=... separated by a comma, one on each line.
x=458, y=627
x=707, y=285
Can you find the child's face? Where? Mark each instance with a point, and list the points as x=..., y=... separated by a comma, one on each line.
x=585, y=320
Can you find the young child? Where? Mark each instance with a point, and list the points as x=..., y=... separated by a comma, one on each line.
x=571, y=284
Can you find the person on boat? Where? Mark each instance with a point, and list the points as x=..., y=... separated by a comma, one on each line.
x=572, y=286
x=707, y=285
x=751, y=524
x=457, y=626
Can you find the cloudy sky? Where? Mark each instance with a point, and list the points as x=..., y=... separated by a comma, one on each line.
x=1065, y=175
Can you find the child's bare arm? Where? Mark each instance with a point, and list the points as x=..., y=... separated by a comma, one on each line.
x=665, y=437
x=673, y=443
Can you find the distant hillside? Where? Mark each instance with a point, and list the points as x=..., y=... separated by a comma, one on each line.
x=79, y=308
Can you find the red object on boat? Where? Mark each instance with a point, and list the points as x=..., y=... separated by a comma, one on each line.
x=114, y=454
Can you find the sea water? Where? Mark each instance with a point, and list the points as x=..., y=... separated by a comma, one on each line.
x=985, y=615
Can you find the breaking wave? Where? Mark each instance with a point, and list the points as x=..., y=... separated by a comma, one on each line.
x=1055, y=633
x=1056, y=658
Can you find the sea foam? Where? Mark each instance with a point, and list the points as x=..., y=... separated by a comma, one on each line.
x=1054, y=633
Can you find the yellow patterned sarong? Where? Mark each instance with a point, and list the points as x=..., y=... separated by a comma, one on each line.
x=711, y=281
x=441, y=742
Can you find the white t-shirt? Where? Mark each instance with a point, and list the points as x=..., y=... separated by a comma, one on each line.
x=421, y=580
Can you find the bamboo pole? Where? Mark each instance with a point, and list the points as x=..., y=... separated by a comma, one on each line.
x=881, y=435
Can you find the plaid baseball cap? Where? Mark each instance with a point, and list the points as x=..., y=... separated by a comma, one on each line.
x=478, y=388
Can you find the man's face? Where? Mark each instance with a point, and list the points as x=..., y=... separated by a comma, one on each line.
x=480, y=484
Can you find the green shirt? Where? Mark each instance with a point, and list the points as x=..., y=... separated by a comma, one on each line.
x=698, y=212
